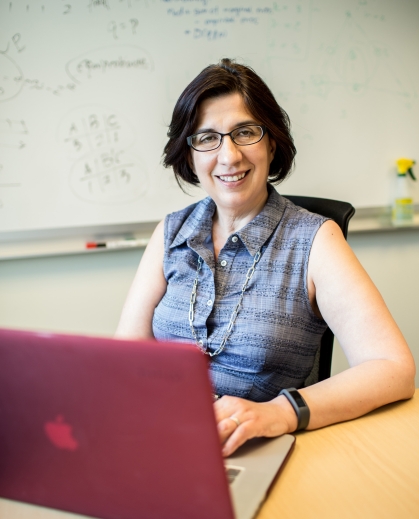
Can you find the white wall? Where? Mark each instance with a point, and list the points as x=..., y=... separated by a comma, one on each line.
x=77, y=293
x=85, y=293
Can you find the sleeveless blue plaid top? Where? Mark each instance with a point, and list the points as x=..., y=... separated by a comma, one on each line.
x=276, y=334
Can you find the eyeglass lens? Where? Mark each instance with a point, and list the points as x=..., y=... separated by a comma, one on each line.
x=242, y=136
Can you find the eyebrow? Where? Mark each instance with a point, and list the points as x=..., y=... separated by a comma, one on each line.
x=238, y=125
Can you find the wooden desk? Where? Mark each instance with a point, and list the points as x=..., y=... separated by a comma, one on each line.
x=366, y=468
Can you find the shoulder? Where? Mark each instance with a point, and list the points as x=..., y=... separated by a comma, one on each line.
x=295, y=222
x=296, y=215
x=186, y=220
x=331, y=257
x=330, y=238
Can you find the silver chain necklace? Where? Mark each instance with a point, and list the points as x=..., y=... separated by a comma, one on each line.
x=234, y=314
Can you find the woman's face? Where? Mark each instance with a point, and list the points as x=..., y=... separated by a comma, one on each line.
x=235, y=177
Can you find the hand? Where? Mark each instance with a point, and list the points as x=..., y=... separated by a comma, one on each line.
x=239, y=420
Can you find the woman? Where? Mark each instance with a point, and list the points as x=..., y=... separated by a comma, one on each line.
x=252, y=279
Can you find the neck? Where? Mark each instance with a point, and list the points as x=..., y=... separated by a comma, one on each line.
x=227, y=221
x=232, y=219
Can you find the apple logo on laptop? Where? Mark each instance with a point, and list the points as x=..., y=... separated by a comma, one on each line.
x=60, y=434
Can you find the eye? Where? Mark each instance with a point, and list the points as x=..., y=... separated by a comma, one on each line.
x=246, y=131
x=206, y=138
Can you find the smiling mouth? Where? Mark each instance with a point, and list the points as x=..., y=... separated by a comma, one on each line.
x=233, y=178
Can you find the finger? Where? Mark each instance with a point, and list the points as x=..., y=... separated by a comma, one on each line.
x=226, y=428
x=235, y=440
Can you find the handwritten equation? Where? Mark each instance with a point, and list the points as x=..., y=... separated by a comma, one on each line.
x=93, y=128
x=355, y=62
x=284, y=23
x=115, y=59
x=69, y=8
x=207, y=20
x=109, y=177
x=104, y=171
x=13, y=135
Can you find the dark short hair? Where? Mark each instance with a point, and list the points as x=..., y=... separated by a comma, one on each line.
x=228, y=77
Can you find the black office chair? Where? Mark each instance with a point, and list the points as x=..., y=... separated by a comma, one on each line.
x=341, y=213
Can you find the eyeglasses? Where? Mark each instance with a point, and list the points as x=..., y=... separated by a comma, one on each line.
x=243, y=136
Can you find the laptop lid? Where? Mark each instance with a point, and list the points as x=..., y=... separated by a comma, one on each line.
x=110, y=429
x=119, y=429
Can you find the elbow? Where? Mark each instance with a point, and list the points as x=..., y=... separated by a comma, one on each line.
x=411, y=388
x=410, y=391
x=400, y=378
x=407, y=379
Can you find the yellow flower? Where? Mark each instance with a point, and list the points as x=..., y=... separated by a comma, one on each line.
x=403, y=165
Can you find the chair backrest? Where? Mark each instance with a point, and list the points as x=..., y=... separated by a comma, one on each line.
x=341, y=213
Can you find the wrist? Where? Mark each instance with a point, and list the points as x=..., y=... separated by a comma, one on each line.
x=287, y=413
x=299, y=406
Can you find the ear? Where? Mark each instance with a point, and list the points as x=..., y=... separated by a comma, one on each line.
x=190, y=161
x=272, y=149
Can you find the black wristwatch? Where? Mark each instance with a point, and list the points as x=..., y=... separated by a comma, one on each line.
x=300, y=407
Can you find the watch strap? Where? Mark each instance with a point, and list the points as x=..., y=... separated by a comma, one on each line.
x=299, y=405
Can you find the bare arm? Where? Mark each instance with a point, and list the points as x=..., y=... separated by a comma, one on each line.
x=381, y=369
x=146, y=291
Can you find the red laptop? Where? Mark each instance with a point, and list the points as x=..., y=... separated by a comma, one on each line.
x=113, y=429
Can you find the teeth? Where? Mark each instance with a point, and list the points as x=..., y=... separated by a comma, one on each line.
x=234, y=178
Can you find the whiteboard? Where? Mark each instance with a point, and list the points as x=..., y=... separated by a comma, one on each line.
x=87, y=89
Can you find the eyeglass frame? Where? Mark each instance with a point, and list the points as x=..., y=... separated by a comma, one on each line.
x=264, y=131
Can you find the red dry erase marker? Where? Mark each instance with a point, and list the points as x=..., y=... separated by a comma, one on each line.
x=119, y=244
x=93, y=245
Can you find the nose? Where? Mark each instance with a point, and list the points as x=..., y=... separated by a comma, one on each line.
x=229, y=153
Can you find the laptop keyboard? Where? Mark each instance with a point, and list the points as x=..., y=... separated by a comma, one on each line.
x=233, y=473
